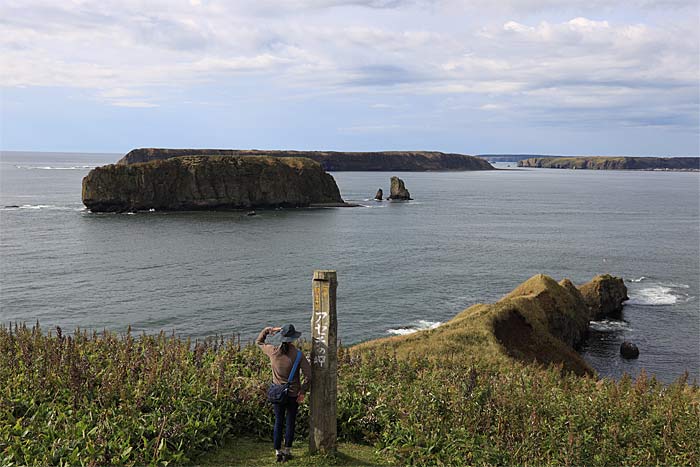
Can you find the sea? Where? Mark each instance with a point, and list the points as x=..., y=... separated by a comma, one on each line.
x=466, y=238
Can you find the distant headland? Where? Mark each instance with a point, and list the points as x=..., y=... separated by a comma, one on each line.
x=409, y=161
x=614, y=163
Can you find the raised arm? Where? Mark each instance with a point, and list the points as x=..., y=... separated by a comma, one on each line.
x=260, y=341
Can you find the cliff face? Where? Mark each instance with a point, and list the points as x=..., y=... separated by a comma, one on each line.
x=540, y=321
x=414, y=161
x=208, y=183
x=614, y=163
x=604, y=296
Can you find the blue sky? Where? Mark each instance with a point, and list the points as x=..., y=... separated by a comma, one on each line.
x=508, y=76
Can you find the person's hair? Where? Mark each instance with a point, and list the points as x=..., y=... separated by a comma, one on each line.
x=284, y=347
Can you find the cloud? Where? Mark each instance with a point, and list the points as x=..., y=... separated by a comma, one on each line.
x=133, y=104
x=515, y=58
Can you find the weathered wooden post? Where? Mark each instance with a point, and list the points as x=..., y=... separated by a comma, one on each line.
x=324, y=363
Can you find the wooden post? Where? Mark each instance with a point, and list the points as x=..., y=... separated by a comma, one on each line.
x=324, y=364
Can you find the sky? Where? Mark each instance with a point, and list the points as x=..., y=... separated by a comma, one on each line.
x=571, y=77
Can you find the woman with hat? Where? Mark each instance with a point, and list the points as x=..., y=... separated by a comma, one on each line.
x=282, y=358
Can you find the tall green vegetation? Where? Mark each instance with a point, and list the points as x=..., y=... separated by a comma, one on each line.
x=105, y=399
x=99, y=399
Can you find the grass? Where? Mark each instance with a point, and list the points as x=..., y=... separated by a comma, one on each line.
x=254, y=452
x=451, y=396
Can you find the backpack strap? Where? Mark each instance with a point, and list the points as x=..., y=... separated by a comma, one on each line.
x=294, y=368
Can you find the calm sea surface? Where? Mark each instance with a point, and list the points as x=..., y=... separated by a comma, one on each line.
x=468, y=237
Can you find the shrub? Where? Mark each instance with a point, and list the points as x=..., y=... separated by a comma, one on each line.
x=99, y=399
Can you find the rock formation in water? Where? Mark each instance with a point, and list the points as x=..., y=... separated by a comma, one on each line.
x=209, y=183
x=604, y=296
x=380, y=195
x=398, y=190
x=614, y=163
x=414, y=161
x=540, y=321
x=628, y=350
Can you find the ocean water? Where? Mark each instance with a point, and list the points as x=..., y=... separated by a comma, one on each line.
x=468, y=237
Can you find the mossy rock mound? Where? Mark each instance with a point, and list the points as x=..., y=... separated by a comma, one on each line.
x=540, y=321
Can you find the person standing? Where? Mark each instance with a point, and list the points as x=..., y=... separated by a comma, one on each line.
x=282, y=359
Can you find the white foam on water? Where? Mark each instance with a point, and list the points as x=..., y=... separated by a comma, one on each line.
x=609, y=325
x=37, y=207
x=75, y=167
x=420, y=325
x=658, y=295
x=637, y=280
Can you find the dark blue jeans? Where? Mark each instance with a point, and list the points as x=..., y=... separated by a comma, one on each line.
x=284, y=411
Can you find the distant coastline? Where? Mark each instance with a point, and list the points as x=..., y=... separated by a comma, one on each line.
x=684, y=164
x=334, y=161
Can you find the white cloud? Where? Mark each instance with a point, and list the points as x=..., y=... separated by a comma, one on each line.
x=133, y=104
x=516, y=57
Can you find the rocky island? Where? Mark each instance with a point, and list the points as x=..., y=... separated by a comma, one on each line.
x=614, y=163
x=210, y=183
x=413, y=161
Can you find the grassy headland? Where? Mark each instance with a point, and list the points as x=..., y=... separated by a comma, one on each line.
x=614, y=163
x=473, y=391
x=334, y=161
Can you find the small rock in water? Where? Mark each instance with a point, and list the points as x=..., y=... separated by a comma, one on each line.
x=14, y=206
x=398, y=189
x=250, y=213
x=380, y=195
x=629, y=350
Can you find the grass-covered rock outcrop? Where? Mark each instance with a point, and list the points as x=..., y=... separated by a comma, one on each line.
x=539, y=321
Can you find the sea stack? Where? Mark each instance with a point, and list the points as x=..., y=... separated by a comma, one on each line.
x=604, y=296
x=380, y=195
x=210, y=183
x=398, y=190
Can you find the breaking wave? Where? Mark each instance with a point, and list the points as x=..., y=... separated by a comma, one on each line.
x=420, y=325
x=651, y=293
x=608, y=325
x=36, y=207
x=74, y=167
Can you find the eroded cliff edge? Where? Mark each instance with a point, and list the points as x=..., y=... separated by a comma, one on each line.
x=540, y=321
x=614, y=163
x=209, y=183
x=414, y=161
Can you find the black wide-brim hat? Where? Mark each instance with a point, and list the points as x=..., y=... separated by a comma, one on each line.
x=289, y=334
